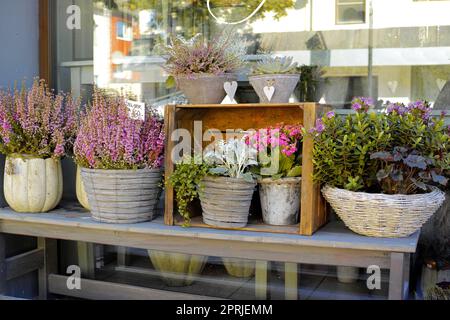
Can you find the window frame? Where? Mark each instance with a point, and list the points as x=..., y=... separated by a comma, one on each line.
x=355, y=2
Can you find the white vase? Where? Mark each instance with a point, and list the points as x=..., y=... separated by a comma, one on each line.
x=31, y=184
x=81, y=192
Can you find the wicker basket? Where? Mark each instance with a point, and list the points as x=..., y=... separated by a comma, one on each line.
x=381, y=215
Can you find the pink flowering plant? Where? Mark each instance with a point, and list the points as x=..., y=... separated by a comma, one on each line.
x=109, y=139
x=37, y=122
x=279, y=151
x=401, y=150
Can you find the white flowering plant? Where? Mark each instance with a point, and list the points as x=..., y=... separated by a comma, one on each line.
x=232, y=158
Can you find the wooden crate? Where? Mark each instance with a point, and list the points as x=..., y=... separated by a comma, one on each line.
x=251, y=116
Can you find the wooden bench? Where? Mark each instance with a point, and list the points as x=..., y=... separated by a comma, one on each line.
x=332, y=245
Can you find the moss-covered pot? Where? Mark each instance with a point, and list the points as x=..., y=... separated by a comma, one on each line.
x=81, y=192
x=32, y=185
x=239, y=268
x=204, y=88
x=177, y=269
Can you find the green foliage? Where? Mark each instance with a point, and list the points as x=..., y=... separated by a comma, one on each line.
x=186, y=180
x=275, y=65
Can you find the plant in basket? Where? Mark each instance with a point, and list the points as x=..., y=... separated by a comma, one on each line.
x=120, y=159
x=37, y=128
x=382, y=171
x=279, y=172
x=201, y=69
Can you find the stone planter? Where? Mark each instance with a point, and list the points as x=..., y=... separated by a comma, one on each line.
x=239, y=268
x=226, y=201
x=122, y=196
x=204, y=88
x=32, y=185
x=284, y=85
x=280, y=200
x=347, y=274
x=177, y=269
x=81, y=192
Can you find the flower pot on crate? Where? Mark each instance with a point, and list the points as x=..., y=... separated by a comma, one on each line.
x=177, y=269
x=226, y=201
x=32, y=185
x=81, y=191
x=239, y=268
x=283, y=86
x=280, y=200
x=204, y=88
x=347, y=274
x=383, y=215
x=122, y=196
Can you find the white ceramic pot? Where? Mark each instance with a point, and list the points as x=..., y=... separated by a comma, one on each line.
x=283, y=84
x=32, y=185
x=280, y=200
x=81, y=192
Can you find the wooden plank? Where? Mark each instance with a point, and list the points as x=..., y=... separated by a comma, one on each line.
x=50, y=248
x=24, y=263
x=2, y=264
x=238, y=106
x=291, y=281
x=261, y=280
x=169, y=117
x=398, y=276
x=99, y=290
x=74, y=225
x=45, y=41
x=6, y=298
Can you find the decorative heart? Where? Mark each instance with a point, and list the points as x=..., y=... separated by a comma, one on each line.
x=230, y=89
x=392, y=85
x=269, y=91
x=440, y=83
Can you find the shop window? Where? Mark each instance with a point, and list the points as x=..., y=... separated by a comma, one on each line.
x=350, y=11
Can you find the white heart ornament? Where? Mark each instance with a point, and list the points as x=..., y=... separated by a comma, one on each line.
x=269, y=91
x=230, y=89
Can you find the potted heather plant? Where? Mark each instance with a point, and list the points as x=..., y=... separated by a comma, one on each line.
x=37, y=128
x=200, y=69
x=381, y=171
x=275, y=79
x=279, y=172
x=120, y=159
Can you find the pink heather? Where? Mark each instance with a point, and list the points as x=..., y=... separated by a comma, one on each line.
x=109, y=139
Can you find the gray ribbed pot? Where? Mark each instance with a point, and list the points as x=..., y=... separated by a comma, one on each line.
x=204, y=88
x=280, y=200
x=177, y=269
x=284, y=86
x=122, y=196
x=226, y=201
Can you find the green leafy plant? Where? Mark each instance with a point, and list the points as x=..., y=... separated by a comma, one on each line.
x=186, y=180
x=275, y=65
x=396, y=151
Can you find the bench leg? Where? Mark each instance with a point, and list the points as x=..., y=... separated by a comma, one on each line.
x=291, y=281
x=261, y=280
x=122, y=256
x=50, y=247
x=2, y=265
x=399, y=276
x=86, y=259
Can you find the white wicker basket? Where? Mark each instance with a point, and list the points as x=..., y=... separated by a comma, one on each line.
x=382, y=215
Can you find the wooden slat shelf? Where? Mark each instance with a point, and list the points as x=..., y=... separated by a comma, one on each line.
x=222, y=118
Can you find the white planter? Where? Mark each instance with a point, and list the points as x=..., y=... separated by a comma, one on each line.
x=81, y=192
x=32, y=185
x=280, y=200
x=284, y=85
x=347, y=274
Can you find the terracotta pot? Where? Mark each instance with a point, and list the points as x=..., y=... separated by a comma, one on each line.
x=280, y=200
x=177, y=269
x=81, y=192
x=122, y=196
x=204, y=88
x=32, y=185
x=226, y=201
x=239, y=268
x=284, y=85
